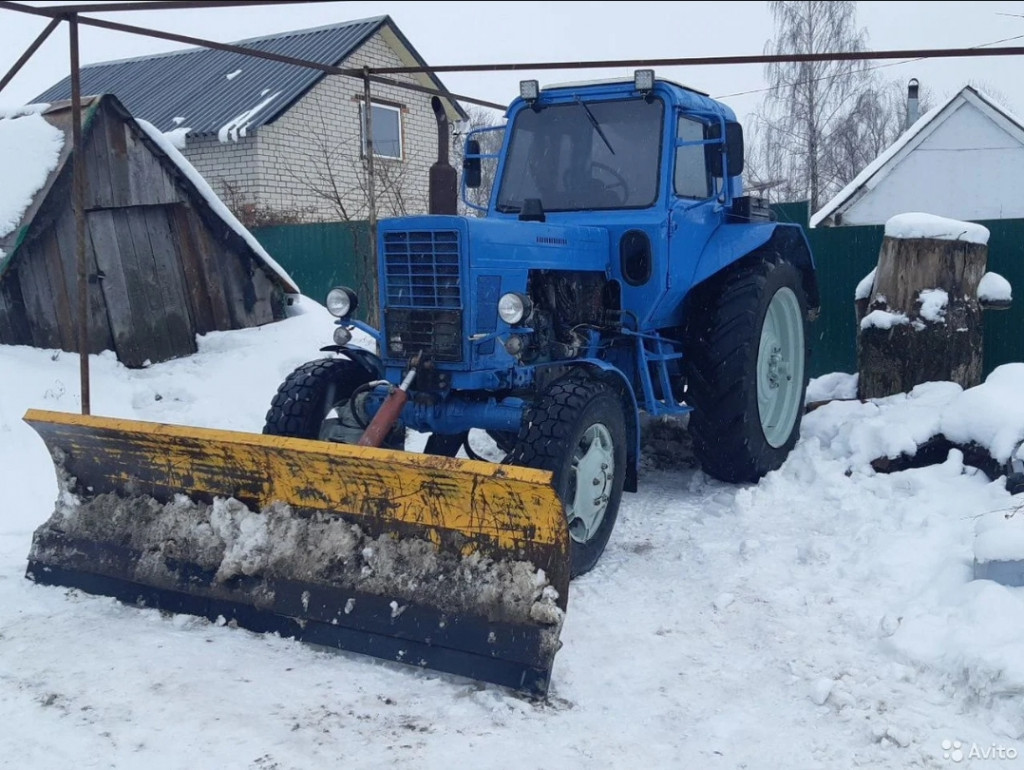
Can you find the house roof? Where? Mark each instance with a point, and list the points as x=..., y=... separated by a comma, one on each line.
x=881, y=166
x=207, y=90
x=59, y=116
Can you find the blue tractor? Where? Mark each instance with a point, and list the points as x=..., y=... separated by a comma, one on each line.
x=618, y=268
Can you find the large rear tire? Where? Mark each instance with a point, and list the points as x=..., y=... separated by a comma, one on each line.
x=304, y=401
x=746, y=374
x=577, y=430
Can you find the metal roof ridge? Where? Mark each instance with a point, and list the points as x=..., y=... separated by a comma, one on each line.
x=380, y=20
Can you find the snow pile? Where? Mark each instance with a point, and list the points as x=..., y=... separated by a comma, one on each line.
x=29, y=150
x=994, y=288
x=933, y=305
x=1000, y=536
x=178, y=137
x=917, y=225
x=211, y=198
x=990, y=416
x=858, y=432
x=883, y=319
x=867, y=283
x=836, y=386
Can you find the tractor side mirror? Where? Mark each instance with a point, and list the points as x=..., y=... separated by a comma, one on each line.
x=471, y=172
x=733, y=147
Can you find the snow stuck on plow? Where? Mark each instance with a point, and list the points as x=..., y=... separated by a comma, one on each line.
x=224, y=560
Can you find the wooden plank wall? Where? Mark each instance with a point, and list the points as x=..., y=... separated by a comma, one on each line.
x=121, y=169
x=168, y=269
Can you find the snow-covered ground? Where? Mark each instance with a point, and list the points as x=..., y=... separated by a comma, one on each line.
x=824, y=618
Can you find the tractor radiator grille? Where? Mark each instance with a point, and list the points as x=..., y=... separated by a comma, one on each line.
x=436, y=332
x=422, y=269
x=423, y=303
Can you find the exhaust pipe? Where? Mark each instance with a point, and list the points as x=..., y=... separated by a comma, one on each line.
x=444, y=181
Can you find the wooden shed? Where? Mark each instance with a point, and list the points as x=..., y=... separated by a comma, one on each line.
x=166, y=259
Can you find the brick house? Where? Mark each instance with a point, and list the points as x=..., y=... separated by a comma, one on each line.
x=281, y=143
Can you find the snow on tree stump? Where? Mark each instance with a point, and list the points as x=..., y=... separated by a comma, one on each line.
x=920, y=316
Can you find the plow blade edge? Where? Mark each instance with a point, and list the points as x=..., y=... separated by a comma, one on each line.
x=448, y=564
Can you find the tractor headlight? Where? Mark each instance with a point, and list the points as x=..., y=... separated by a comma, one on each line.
x=341, y=301
x=514, y=308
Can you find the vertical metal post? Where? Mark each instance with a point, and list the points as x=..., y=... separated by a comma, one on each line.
x=371, y=190
x=368, y=120
x=371, y=199
x=78, y=204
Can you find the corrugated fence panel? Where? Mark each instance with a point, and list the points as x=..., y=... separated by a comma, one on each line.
x=1004, y=329
x=324, y=255
x=843, y=255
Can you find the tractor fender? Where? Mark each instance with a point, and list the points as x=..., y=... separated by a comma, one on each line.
x=776, y=240
x=630, y=411
x=369, y=361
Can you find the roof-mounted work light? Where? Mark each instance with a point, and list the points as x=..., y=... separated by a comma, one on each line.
x=643, y=80
x=529, y=90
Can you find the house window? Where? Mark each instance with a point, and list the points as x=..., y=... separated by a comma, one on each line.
x=691, y=178
x=387, y=131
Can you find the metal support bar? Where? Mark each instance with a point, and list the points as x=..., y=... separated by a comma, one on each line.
x=371, y=181
x=78, y=194
x=203, y=43
x=705, y=61
x=28, y=53
x=166, y=5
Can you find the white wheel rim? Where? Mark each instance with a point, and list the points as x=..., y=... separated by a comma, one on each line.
x=592, y=474
x=780, y=367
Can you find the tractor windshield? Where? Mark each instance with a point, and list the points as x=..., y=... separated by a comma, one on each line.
x=584, y=155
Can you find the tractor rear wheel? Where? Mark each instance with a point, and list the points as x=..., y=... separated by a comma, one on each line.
x=745, y=369
x=577, y=430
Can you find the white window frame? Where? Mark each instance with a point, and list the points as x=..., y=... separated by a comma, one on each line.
x=362, y=131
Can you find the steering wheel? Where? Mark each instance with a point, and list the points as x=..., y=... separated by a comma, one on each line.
x=617, y=187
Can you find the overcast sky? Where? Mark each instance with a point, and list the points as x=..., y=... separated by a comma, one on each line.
x=489, y=32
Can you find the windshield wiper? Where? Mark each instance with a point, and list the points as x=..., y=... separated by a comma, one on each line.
x=595, y=124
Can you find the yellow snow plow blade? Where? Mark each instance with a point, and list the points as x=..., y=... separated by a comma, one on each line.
x=450, y=564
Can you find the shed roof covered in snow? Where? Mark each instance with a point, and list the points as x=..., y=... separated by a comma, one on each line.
x=206, y=89
x=963, y=160
x=166, y=259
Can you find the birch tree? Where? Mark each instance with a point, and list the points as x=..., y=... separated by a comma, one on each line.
x=808, y=106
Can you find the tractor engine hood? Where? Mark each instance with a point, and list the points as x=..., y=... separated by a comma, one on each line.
x=539, y=245
x=508, y=244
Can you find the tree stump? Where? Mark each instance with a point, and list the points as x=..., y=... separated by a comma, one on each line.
x=923, y=321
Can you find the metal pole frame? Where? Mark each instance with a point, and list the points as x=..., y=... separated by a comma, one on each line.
x=78, y=205
x=54, y=23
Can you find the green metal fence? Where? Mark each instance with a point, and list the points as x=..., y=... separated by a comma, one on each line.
x=324, y=255
x=319, y=256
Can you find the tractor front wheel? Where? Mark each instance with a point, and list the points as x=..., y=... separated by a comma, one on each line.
x=305, y=401
x=577, y=430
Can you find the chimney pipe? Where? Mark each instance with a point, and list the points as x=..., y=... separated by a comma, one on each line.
x=444, y=181
x=913, y=105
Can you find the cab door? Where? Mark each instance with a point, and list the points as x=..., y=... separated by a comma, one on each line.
x=695, y=212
